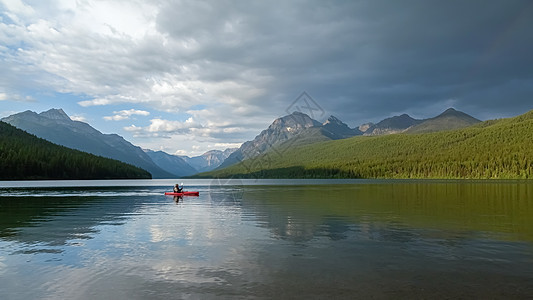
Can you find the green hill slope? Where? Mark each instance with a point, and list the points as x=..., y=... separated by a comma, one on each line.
x=25, y=156
x=491, y=149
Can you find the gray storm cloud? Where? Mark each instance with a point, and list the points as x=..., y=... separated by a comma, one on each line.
x=360, y=60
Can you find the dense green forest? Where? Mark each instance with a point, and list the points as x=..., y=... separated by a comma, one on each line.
x=493, y=149
x=25, y=156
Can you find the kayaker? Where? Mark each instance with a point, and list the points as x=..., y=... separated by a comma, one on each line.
x=177, y=188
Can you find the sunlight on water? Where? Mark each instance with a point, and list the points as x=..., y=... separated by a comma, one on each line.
x=272, y=239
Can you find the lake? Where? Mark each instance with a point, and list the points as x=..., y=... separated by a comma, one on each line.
x=376, y=239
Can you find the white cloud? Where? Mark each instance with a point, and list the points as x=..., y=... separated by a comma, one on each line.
x=78, y=118
x=94, y=102
x=166, y=126
x=181, y=152
x=188, y=137
x=115, y=118
x=115, y=52
x=126, y=114
x=16, y=97
x=17, y=10
x=227, y=145
x=133, y=128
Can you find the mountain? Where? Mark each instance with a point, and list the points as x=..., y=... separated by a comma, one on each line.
x=55, y=126
x=24, y=156
x=396, y=124
x=291, y=131
x=491, y=149
x=183, y=166
x=281, y=130
x=209, y=160
x=331, y=129
x=171, y=163
x=336, y=129
x=448, y=120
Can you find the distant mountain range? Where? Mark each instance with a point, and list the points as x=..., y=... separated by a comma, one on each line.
x=299, y=129
x=56, y=126
x=448, y=120
x=171, y=163
x=209, y=160
x=286, y=132
x=24, y=156
x=396, y=124
x=434, y=148
x=185, y=166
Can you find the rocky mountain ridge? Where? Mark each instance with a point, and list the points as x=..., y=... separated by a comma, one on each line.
x=299, y=129
x=208, y=161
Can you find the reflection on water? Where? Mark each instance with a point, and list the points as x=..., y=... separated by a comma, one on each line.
x=53, y=217
x=487, y=208
x=389, y=239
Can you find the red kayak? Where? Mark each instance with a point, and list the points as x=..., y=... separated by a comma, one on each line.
x=183, y=194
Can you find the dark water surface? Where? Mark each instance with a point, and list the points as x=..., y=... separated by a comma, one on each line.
x=267, y=239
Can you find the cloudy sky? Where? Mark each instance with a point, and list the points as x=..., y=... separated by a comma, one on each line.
x=191, y=76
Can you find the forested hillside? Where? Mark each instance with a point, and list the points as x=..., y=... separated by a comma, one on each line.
x=492, y=149
x=25, y=156
x=57, y=127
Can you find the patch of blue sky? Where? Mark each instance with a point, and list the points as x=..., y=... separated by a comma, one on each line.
x=4, y=18
x=181, y=116
x=198, y=107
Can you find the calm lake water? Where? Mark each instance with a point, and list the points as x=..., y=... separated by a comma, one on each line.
x=266, y=239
